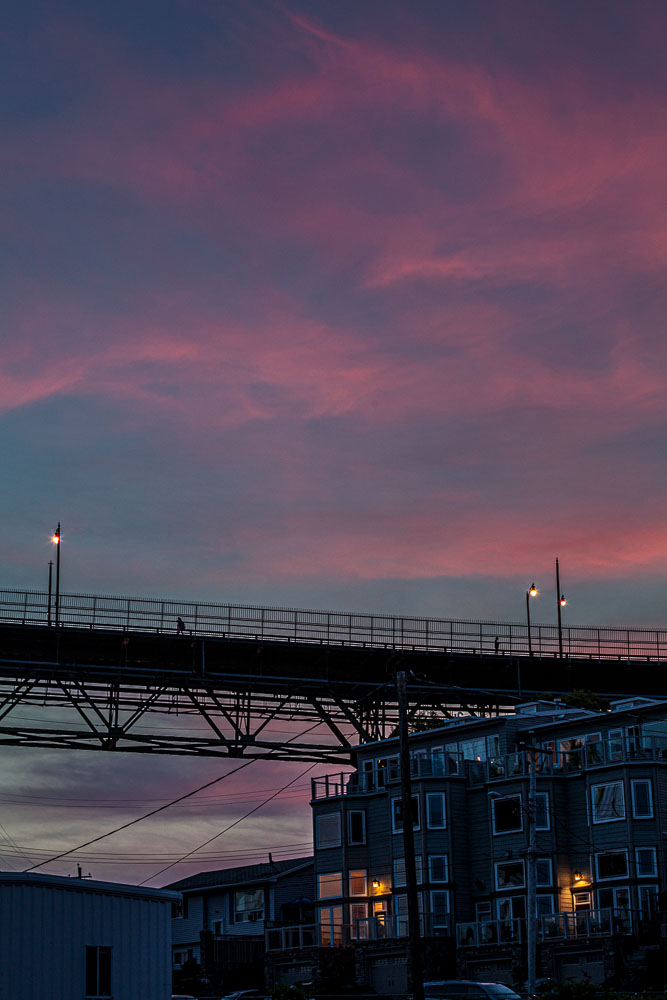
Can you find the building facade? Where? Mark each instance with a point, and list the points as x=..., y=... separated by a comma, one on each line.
x=221, y=922
x=599, y=824
x=73, y=938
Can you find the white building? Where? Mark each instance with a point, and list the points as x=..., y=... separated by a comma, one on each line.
x=75, y=939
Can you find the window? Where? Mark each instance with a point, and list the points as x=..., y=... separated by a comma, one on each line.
x=358, y=883
x=437, y=868
x=507, y=815
x=177, y=910
x=217, y=927
x=648, y=901
x=399, y=870
x=327, y=830
x=248, y=905
x=98, y=971
x=331, y=926
x=435, y=811
x=642, y=798
x=545, y=905
x=439, y=912
x=483, y=912
x=542, y=820
x=647, y=863
x=511, y=908
x=356, y=826
x=543, y=871
x=329, y=884
x=618, y=900
x=510, y=875
x=358, y=921
x=612, y=864
x=608, y=802
x=397, y=814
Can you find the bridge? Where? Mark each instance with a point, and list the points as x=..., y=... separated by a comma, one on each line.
x=121, y=673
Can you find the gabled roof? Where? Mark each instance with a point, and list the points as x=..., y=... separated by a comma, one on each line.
x=247, y=875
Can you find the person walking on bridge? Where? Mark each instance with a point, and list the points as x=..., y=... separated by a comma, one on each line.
x=180, y=626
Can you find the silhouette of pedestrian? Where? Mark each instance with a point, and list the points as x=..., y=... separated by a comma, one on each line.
x=496, y=644
x=180, y=626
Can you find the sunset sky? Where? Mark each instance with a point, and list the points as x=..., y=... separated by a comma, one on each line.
x=333, y=304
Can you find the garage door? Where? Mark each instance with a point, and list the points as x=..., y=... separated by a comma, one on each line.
x=388, y=974
x=588, y=965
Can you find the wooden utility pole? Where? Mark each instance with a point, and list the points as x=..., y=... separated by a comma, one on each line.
x=415, y=973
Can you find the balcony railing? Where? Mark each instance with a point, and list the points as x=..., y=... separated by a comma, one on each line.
x=486, y=932
x=381, y=927
x=585, y=923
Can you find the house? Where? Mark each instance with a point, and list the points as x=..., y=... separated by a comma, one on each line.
x=599, y=822
x=74, y=938
x=224, y=913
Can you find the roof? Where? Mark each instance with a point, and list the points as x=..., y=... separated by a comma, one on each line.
x=249, y=874
x=37, y=880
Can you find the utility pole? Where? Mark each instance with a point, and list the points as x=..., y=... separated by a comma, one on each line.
x=531, y=887
x=415, y=973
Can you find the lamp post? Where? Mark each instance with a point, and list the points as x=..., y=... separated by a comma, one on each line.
x=56, y=541
x=48, y=606
x=531, y=592
x=560, y=603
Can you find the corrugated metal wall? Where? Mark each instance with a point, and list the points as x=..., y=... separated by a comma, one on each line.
x=45, y=931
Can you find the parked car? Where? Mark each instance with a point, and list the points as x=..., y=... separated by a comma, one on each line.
x=463, y=988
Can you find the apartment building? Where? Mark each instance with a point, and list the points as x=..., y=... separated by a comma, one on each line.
x=600, y=825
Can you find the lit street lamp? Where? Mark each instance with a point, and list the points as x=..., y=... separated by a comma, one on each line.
x=560, y=603
x=531, y=592
x=56, y=541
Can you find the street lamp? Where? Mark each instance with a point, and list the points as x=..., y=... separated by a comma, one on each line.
x=560, y=603
x=531, y=592
x=56, y=541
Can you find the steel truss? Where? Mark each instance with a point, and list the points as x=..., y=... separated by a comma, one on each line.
x=242, y=723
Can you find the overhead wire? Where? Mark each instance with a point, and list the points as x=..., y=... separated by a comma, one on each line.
x=228, y=828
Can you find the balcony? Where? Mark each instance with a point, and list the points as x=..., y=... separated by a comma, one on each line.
x=584, y=924
x=379, y=928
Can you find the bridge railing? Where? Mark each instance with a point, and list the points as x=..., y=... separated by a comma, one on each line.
x=333, y=627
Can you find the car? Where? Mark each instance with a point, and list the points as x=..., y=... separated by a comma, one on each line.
x=460, y=988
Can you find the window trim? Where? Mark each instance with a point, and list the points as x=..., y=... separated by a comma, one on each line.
x=357, y=873
x=654, y=854
x=322, y=816
x=350, y=814
x=611, y=878
x=607, y=819
x=505, y=798
x=445, y=860
x=633, y=784
x=519, y=862
x=395, y=828
x=430, y=796
x=333, y=895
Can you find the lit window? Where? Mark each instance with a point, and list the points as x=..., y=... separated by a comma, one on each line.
x=358, y=883
x=329, y=884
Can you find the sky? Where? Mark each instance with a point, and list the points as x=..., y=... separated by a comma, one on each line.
x=332, y=305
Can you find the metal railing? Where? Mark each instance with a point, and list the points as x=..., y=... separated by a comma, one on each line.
x=381, y=927
x=584, y=923
x=333, y=627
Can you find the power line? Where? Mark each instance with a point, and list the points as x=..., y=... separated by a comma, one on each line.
x=132, y=822
x=226, y=830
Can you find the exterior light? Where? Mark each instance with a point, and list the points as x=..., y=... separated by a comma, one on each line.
x=578, y=876
x=531, y=592
x=376, y=884
x=56, y=539
x=562, y=601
